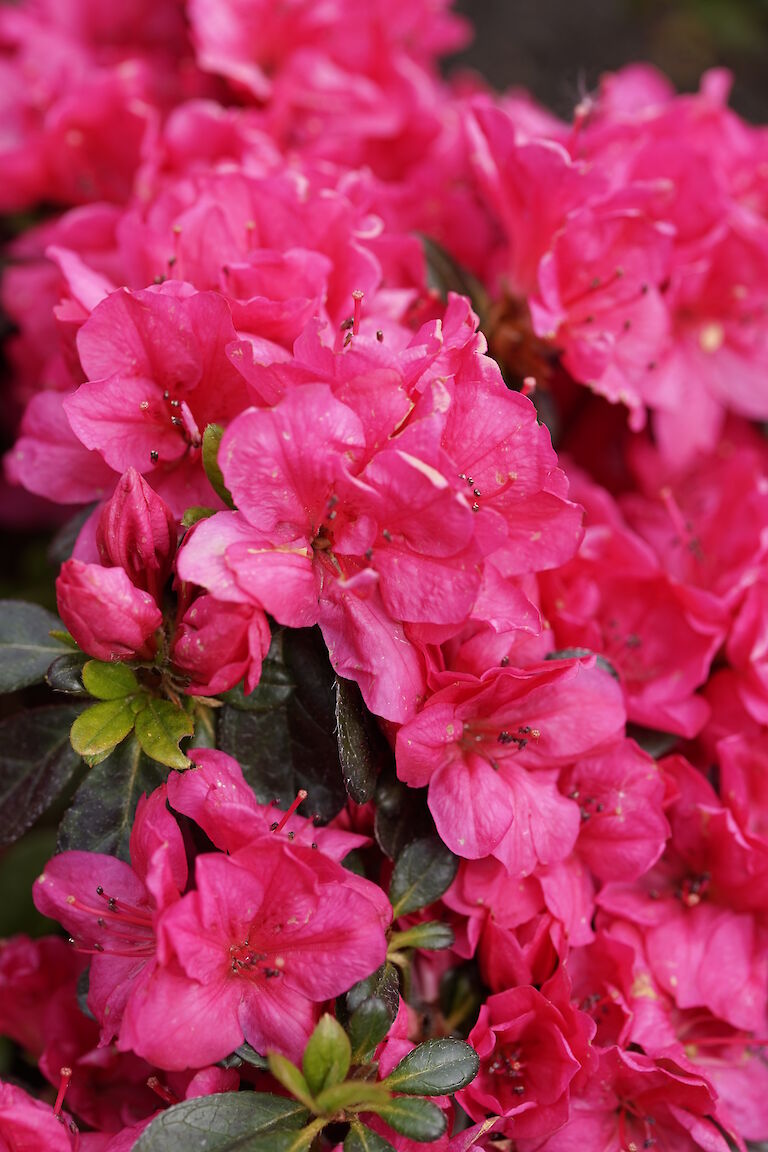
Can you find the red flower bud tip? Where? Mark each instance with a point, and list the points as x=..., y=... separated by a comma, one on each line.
x=137, y=530
x=357, y=296
x=66, y=1076
x=161, y=1090
x=301, y=796
x=529, y=386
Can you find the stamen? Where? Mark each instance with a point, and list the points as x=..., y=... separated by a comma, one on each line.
x=162, y=1090
x=301, y=796
x=190, y=425
x=66, y=1076
x=357, y=296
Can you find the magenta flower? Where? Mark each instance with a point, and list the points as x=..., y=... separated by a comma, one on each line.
x=137, y=532
x=106, y=614
x=29, y=1124
x=110, y=908
x=267, y=933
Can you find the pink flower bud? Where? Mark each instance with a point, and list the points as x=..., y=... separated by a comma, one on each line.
x=137, y=532
x=218, y=644
x=108, y=617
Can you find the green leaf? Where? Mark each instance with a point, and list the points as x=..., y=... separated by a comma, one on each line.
x=363, y=1095
x=98, y=730
x=367, y=1027
x=283, y=733
x=423, y=871
x=26, y=647
x=66, y=674
x=287, y=1074
x=362, y=1139
x=211, y=441
x=159, y=727
x=580, y=653
x=362, y=747
x=383, y=983
x=109, y=681
x=435, y=1068
x=245, y=1054
x=431, y=935
x=327, y=1055
x=401, y=815
x=101, y=814
x=196, y=513
x=36, y=764
x=224, y=1122
x=410, y=1116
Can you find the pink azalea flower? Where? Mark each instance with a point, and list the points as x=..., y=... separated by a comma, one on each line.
x=28, y=1124
x=532, y=1045
x=111, y=908
x=267, y=933
x=214, y=793
x=137, y=532
x=106, y=614
x=219, y=644
x=489, y=749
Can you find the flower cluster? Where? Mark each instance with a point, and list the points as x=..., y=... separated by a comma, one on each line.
x=293, y=349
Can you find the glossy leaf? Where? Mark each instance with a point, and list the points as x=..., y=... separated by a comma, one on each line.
x=283, y=733
x=101, y=814
x=364, y=1095
x=424, y=870
x=98, y=730
x=383, y=983
x=66, y=674
x=160, y=725
x=432, y=935
x=435, y=1068
x=26, y=647
x=291, y=1077
x=223, y=1122
x=36, y=763
x=109, y=681
x=327, y=1055
x=362, y=1139
x=367, y=1027
x=413, y=1117
x=362, y=747
x=401, y=815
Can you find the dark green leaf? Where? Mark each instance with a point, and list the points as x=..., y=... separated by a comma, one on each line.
x=445, y=275
x=431, y=935
x=383, y=983
x=435, y=1068
x=205, y=727
x=461, y=994
x=224, y=1122
x=63, y=543
x=423, y=871
x=327, y=1055
x=367, y=1027
x=159, y=727
x=283, y=733
x=410, y=1116
x=109, y=681
x=195, y=513
x=26, y=646
x=401, y=816
x=101, y=814
x=245, y=1055
x=362, y=747
x=653, y=741
x=101, y=728
x=66, y=674
x=36, y=763
x=20, y=865
x=211, y=441
x=362, y=1139
x=580, y=653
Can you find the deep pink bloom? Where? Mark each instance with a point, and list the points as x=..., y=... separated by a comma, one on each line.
x=108, y=616
x=218, y=644
x=111, y=908
x=532, y=1045
x=266, y=933
x=215, y=795
x=137, y=532
x=27, y=1125
x=489, y=750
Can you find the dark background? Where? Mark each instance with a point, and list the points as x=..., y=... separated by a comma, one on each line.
x=557, y=49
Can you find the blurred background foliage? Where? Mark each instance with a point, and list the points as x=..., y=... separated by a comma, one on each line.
x=559, y=48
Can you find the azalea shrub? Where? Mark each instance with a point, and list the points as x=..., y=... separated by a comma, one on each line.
x=403, y=722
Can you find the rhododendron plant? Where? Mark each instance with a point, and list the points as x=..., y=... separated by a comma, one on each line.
x=393, y=766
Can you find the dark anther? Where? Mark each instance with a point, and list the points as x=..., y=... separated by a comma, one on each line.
x=274, y=825
x=379, y=335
